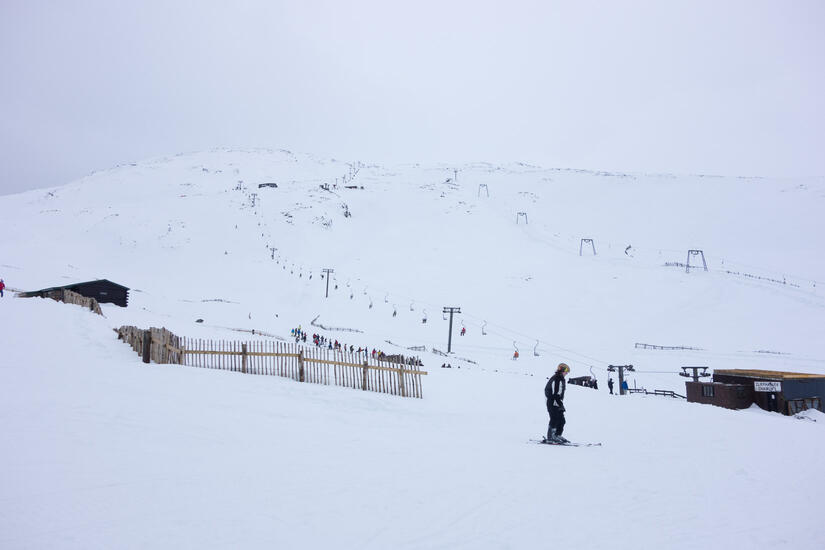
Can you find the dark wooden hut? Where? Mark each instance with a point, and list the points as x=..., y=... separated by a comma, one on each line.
x=103, y=290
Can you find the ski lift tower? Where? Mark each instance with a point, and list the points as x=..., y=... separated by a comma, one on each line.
x=584, y=242
x=327, y=271
x=451, y=311
x=621, y=369
x=696, y=374
x=695, y=253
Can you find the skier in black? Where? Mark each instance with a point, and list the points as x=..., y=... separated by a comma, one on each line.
x=554, y=392
x=610, y=385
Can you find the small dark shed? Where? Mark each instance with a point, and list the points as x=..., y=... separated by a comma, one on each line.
x=784, y=392
x=102, y=290
x=729, y=396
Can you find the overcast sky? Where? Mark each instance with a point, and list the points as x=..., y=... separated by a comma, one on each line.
x=723, y=87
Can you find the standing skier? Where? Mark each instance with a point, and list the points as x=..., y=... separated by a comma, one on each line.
x=554, y=392
x=610, y=385
x=2, y=286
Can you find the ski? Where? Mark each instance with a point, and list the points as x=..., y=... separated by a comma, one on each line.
x=544, y=441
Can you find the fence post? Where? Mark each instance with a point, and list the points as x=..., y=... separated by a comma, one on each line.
x=401, y=379
x=147, y=346
x=364, y=374
x=301, y=366
x=243, y=358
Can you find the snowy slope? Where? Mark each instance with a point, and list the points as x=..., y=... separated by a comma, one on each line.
x=184, y=228
x=108, y=452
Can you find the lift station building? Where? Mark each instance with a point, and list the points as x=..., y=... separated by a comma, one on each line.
x=783, y=392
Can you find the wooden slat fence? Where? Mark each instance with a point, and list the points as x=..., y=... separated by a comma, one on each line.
x=132, y=336
x=302, y=364
x=71, y=297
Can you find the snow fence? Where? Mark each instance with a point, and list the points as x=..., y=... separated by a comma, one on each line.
x=302, y=364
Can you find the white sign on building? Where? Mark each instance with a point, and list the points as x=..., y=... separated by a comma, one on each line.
x=767, y=386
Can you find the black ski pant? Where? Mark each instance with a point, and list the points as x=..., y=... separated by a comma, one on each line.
x=556, y=419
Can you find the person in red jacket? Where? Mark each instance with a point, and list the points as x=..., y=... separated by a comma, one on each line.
x=2, y=286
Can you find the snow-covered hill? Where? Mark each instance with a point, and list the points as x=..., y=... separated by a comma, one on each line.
x=172, y=457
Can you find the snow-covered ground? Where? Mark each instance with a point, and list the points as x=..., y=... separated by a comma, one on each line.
x=103, y=451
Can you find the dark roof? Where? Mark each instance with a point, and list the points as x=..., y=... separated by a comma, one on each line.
x=81, y=283
x=100, y=281
x=753, y=373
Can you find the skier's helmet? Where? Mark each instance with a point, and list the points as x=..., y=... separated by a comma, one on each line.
x=563, y=368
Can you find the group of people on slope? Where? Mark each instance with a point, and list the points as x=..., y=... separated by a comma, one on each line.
x=334, y=345
x=298, y=334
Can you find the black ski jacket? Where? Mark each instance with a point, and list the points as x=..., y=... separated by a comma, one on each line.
x=554, y=390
